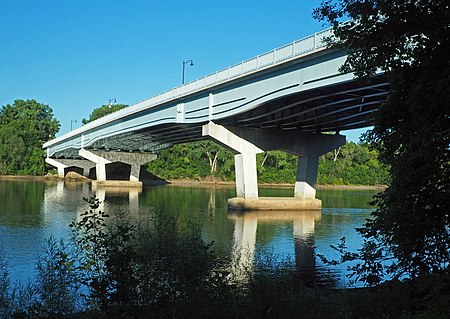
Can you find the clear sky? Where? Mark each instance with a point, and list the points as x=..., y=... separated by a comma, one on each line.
x=76, y=55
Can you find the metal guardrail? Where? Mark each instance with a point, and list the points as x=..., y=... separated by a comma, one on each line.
x=261, y=61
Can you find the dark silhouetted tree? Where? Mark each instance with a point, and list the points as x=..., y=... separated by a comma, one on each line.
x=409, y=41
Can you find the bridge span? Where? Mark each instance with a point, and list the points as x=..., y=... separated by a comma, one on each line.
x=284, y=99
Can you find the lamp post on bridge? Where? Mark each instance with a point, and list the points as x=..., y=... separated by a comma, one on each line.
x=111, y=101
x=191, y=63
x=72, y=121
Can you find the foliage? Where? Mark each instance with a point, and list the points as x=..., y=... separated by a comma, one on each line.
x=155, y=269
x=372, y=259
x=103, y=111
x=57, y=286
x=409, y=40
x=153, y=263
x=24, y=127
x=352, y=164
x=194, y=160
x=54, y=294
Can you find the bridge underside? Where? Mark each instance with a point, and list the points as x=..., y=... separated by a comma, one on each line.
x=334, y=108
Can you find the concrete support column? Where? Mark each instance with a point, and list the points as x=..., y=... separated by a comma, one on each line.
x=305, y=184
x=101, y=158
x=245, y=159
x=100, y=163
x=63, y=163
x=246, y=175
x=60, y=166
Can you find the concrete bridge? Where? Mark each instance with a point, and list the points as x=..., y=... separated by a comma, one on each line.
x=283, y=99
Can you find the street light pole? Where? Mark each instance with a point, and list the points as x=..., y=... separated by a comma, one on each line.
x=111, y=101
x=191, y=63
x=72, y=121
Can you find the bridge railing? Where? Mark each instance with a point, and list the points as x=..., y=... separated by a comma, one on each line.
x=273, y=57
x=262, y=61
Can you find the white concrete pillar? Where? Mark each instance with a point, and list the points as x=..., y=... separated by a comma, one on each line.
x=60, y=166
x=100, y=163
x=246, y=175
x=101, y=158
x=305, y=184
x=81, y=163
x=244, y=160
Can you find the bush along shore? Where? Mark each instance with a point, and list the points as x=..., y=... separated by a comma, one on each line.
x=351, y=164
x=161, y=267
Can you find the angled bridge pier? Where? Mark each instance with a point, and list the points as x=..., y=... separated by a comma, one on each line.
x=247, y=142
x=63, y=165
x=101, y=158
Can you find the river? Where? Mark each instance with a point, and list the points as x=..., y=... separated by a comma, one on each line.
x=32, y=210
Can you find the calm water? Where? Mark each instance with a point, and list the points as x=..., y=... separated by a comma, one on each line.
x=31, y=211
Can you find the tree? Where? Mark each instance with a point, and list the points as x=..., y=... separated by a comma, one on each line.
x=24, y=127
x=103, y=111
x=409, y=41
x=353, y=164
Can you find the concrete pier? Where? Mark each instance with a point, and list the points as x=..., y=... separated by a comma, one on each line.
x=247, y=142
x=273, y=204
x=102, y=158
x=63, y=164
x=116, y=185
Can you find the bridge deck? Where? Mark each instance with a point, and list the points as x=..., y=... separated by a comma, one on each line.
x=295, y=87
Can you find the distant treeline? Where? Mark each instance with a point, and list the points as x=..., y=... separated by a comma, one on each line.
x=26, y=125
x=351, y=164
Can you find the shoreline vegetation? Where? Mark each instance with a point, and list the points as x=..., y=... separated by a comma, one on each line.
x=188, y=182
x=163, y=268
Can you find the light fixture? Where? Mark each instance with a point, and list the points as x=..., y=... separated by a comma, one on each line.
x=190, y=63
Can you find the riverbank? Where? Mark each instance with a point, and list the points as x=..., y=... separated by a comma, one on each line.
x=207, y=182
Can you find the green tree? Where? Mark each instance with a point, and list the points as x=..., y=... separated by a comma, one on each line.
x=24, y=127
x=103, y=111
x=352, y=164
x=409, y=41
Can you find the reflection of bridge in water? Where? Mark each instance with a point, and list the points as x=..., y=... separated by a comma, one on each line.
x=303, y=223
x=298, y=228
x=57, y=195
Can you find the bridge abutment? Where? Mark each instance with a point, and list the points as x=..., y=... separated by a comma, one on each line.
x=247, y=142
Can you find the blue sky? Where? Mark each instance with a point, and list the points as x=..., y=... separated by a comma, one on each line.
x=76, y=55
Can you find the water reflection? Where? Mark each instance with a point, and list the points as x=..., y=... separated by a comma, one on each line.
x=31, y=211
x=133, y=194
x=303, y=227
